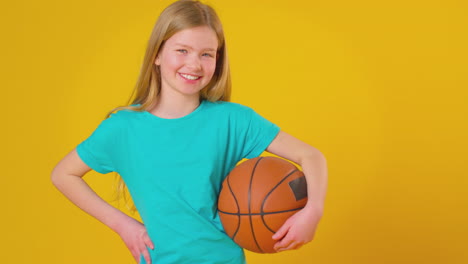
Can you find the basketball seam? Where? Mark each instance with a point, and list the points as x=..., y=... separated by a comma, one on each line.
x=238, y=209
x=269, y=193
x=249, y=199
x=269, y=213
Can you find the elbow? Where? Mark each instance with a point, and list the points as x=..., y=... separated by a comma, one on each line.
x=57, y=176
x=54, y=177
x=312, y=154
x=60, y=176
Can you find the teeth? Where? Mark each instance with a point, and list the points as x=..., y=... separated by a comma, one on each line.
x=190, y=77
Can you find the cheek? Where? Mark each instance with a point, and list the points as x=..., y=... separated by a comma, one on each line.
x=210, y=67
x=171, y=63
x=175, y=62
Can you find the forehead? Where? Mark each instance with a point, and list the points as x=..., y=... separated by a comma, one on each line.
x=198, y=38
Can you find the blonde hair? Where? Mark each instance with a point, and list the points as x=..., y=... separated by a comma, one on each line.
x=180, y=15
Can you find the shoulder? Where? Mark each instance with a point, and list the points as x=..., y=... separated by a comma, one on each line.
x=123, y=116
x=228, y=107
x=116, y=122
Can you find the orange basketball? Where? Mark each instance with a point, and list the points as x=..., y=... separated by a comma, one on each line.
x=257, y=197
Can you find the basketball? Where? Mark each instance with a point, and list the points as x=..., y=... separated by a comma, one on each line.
x=257, y=197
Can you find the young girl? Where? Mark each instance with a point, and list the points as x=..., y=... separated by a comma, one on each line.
x=176, y=142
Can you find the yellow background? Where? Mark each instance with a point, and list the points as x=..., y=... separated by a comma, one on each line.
x=378, y=86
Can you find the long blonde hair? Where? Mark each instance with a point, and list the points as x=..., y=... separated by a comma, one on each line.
x=178, y=16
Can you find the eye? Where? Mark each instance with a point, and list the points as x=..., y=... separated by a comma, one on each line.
x=207, y=55
x=183, y=51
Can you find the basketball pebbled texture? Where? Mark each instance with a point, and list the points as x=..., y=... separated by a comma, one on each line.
x=257, y=197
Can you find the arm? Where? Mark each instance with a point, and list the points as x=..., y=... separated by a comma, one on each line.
x=67, y=177
x=300, y=228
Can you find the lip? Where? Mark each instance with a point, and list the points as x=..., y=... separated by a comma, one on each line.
x=188, y=80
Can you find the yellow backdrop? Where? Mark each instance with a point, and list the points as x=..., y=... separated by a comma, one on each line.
x=378, y=87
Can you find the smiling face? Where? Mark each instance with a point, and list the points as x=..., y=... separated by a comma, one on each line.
x=187, y=61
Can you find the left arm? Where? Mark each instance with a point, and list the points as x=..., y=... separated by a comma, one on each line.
x=300, y=228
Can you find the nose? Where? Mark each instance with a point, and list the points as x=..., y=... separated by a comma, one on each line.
x=193, y=62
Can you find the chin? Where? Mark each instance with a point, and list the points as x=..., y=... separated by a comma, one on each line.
x=190, y=93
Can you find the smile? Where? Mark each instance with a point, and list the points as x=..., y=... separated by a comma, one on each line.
x=190, y=77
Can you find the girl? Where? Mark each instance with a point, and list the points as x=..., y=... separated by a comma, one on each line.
x=175, y=143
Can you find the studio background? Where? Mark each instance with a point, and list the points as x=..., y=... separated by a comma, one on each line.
x=378, y=86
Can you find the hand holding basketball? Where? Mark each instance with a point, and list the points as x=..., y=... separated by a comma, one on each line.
x=298, y=230
x=258, y=197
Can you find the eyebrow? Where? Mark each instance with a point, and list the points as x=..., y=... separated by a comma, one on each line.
x=183, y=45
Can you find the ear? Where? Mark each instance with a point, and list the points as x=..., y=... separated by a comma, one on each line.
x=157, y=61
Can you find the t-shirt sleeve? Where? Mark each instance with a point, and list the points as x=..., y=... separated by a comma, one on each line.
x=98, y=150
x=259, y=133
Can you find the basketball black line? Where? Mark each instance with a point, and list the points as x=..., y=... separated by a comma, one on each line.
x=250, y=211
x=277, y=212
x=269, y=193
x=238, y=209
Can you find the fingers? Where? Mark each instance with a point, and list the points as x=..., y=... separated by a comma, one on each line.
x=144, y=249
x=281, y=232
x=136, y=256
x=137, y=241
x=287, y=242
x=283, y=244
x=146, y=256
x=142, y=252
x=291, y=246
x=148, y=241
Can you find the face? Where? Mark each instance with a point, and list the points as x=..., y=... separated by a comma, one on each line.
x=187, y=61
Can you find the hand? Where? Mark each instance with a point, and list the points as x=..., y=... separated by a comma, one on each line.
x=135, y=237
x=298, y=230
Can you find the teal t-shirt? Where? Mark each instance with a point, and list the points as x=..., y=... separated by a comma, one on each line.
x=174, y=169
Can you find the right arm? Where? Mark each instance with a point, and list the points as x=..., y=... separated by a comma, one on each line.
x=67, y=176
